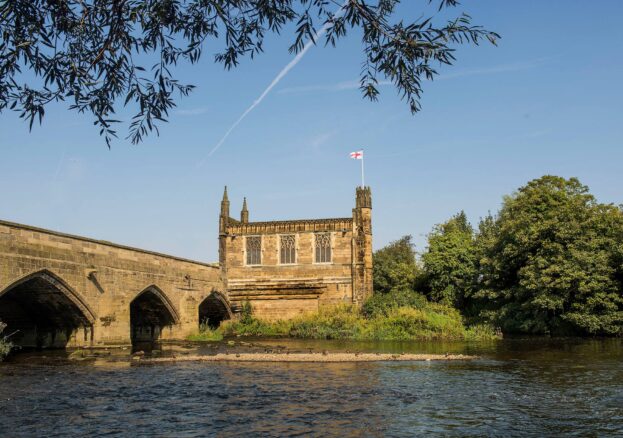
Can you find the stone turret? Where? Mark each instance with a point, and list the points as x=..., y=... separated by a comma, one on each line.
x=362, y=245
x=364, y=197
x=244, y=214
x=224, y=217
x=223, y=223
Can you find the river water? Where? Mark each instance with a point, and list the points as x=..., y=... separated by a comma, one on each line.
x=517, y=387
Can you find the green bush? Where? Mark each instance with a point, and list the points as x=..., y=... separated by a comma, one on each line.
x=400, y=314
x=255, y=327
x=337, y=322
x=206, y=333
x=387, y=318
x=407, y=323
x=381, y=304
x=246, y=314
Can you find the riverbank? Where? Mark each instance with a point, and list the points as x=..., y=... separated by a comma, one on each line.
x=305, y=357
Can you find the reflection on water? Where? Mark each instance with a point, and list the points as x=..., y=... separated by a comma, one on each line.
x=517, y=387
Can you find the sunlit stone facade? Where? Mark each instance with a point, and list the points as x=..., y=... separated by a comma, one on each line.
x=284, y=268
x=60, y=290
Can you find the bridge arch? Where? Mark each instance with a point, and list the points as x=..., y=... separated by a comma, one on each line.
x=214, y=309
x=151, y=311
x=42, y=310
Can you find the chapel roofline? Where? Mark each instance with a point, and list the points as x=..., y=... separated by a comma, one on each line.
x=292, y=226
x=296, y=221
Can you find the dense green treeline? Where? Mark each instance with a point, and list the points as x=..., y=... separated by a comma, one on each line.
x=550, y=262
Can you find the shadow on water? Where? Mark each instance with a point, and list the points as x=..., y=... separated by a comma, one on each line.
x=507, y=349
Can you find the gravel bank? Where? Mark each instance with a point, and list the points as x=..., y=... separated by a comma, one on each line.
x=304, y=357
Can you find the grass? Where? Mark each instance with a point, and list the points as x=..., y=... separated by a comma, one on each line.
x=396, y=316
x=429, y=322
x=206, y=334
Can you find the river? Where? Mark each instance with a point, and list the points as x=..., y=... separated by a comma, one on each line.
x=535, y=387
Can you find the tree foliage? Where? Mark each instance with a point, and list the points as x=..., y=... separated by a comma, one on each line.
x=381, y=304
x=103, y=54
x=395, y=266
x=551, y=262
x=450, y=261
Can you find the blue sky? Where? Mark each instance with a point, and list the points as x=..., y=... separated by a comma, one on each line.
x=547, y=100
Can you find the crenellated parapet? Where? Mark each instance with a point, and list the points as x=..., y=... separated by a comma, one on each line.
x=364, y=197
x=291, y=226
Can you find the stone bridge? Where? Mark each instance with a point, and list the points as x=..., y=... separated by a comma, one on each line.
x=59, y=290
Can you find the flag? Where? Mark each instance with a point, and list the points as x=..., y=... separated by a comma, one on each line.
x=357, y=155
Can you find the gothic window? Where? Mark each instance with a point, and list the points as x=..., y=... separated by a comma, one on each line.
x=287, y=249
x=323, y=248
x=254, y=250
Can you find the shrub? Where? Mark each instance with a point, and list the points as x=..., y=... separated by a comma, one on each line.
x=246, y=314
x=206, y=333
x=386, y=319
x=381, y=304
x=255, y=327
x=335, y=322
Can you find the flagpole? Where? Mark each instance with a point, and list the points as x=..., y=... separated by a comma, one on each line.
x=363, y=184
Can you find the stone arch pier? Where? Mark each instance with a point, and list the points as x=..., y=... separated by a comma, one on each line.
x=151, y=313
x=59, y=290
x=214, y=309
x=41, y=310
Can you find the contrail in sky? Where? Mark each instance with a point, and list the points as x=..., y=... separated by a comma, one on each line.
x=275, y=81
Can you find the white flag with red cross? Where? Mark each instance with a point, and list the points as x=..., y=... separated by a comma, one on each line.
x=358, y=155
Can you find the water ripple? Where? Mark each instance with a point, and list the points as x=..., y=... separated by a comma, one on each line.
x=515, y=389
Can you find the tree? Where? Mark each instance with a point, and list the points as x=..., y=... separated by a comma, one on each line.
x=395, y=267
x=552, y=262
x=101, y=54
x=484, y=240
x=450, y=261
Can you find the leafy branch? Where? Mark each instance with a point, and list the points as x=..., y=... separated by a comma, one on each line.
x=92, y=53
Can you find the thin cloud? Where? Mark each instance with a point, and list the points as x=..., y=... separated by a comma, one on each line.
x=502, y=68
x=192, y=111
x=272, y=85
x=60, y=164
x=320, y=139
x=340, y=86
x=350, y=85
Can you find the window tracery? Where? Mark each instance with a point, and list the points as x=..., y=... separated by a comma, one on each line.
x=254, y=250
x=287, y=249
x=323, y=248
